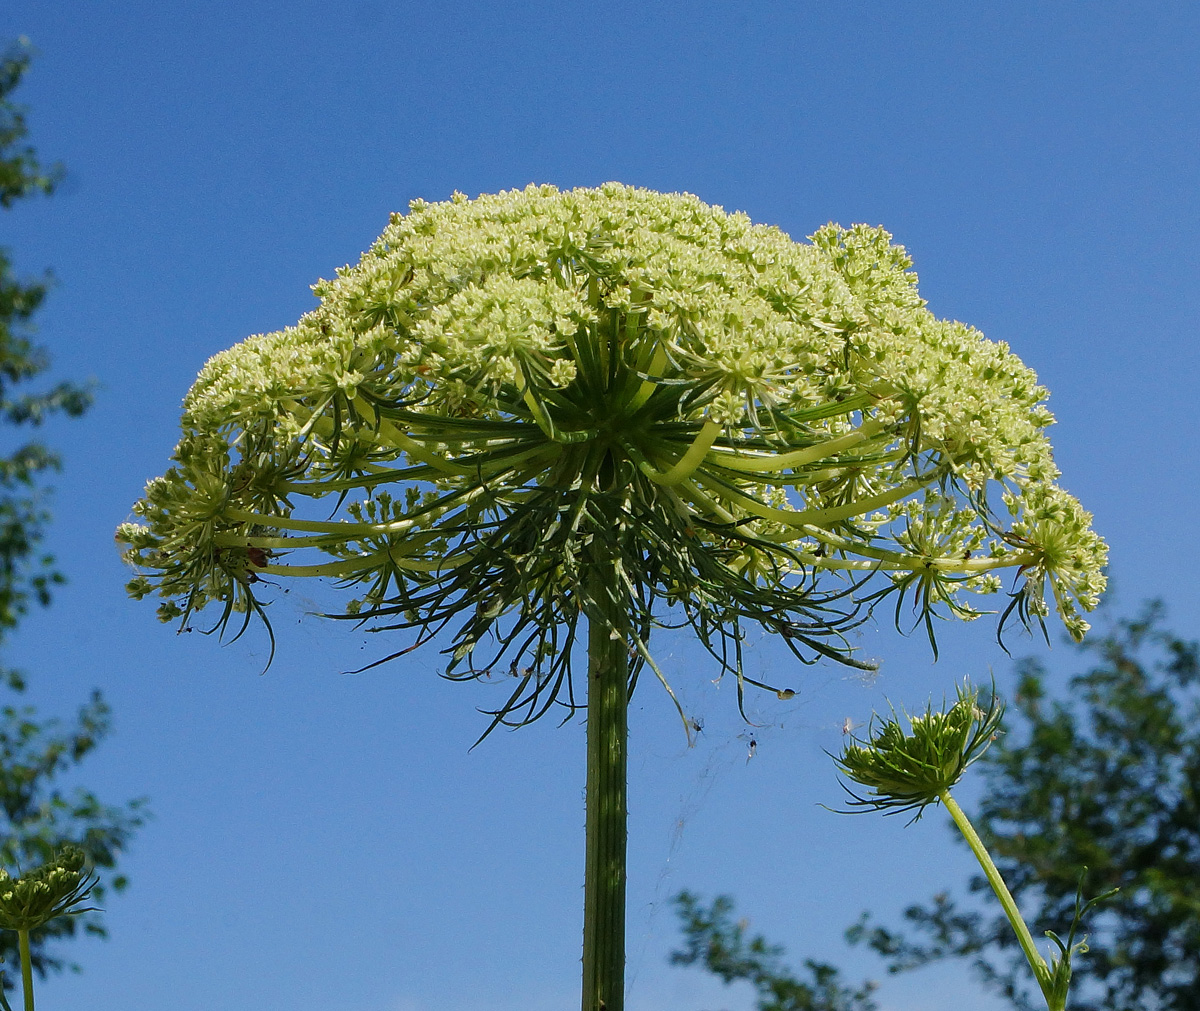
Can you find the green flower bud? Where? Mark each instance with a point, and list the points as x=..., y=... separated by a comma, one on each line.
x=54, y=889
x=908, y=770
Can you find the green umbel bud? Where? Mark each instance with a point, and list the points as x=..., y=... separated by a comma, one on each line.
x=54, y=889
x=905, y=770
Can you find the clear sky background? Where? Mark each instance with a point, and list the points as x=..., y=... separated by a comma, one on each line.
x=328, y=843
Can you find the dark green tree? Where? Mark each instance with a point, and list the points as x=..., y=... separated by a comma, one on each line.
x=37, y=817
x=721, y=945
x=25, y=573
x=1107, y=778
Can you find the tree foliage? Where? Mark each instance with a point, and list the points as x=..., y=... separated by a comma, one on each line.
x=25, y=574
x=38, y=816
x=721, y=946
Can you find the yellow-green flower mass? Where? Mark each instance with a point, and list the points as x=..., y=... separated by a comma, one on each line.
x=506, y=390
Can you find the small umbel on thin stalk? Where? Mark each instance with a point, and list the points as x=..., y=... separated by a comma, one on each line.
x=540, y=407
x=57, y=888
x=907, y=770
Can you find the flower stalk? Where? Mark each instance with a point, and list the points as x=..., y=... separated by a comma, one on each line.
x=606, y=818
x=1041, y=971
x=26, y=968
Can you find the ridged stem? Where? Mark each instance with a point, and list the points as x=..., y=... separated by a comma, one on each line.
x=26, y=968
x=605, y=846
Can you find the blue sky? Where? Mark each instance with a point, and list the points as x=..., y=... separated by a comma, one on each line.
x=328, y=842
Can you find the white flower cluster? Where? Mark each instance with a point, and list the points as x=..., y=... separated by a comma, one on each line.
x=585, y=310
x=482, y=291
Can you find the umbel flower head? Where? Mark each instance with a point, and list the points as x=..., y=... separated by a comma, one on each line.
x=509, y=391
x=906, y=770
x=54, y=889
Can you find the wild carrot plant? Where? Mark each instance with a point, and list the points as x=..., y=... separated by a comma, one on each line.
x=627, y=408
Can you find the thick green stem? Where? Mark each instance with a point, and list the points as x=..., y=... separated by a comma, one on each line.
x=607, y=711
x=26, y=968
x=1041, y=970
